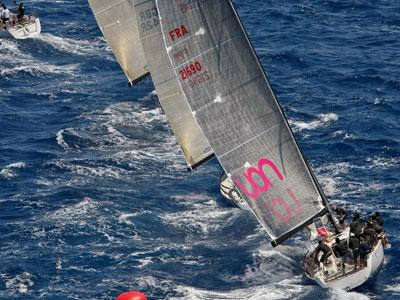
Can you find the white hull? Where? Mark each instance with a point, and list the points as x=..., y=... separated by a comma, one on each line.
x=352, y=278
x=229, y=191
x=29, y=28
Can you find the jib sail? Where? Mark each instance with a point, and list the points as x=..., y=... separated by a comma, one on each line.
x=117, y=22
x=195, y=146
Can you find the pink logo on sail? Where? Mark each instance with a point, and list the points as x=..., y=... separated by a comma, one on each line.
x=266, y=183
x=282, y=210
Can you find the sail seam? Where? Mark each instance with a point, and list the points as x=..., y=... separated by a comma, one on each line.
x=249, y=140
x=233, y=90
x=208, y=50
x=149, y=36
x=108, y=8
x=109, y=25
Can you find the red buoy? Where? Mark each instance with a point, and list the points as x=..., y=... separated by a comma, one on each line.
x=132, y=295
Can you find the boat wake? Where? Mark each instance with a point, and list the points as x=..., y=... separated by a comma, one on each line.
x=76, y=47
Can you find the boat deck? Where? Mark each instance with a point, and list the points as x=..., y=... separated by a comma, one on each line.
x=333, y=269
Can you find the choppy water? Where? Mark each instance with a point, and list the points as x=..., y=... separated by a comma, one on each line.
x=95, y=198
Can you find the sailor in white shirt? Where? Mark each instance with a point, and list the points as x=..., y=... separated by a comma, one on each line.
x=5, y=15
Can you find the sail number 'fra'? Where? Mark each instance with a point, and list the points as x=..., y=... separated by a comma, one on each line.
x=178, y=32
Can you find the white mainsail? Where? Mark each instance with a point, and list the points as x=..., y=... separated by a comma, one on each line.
x=195, y=146
x=117, y=22
x=232, y=101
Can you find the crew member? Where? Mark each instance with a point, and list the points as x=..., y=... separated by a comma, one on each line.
x=370, y=231
x=20, y=11
x=342, y=224
x=325, y=249
x=341, y=213
x=356, y=226
x=342, y=251
x=378, y=218
x=365, y=249
x=5, y=15
x=354, y=245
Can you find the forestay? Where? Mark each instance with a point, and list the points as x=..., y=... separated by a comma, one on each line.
x=188, y=134
x=232, y=101
x=117, y=22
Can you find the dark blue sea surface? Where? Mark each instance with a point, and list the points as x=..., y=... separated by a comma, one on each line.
x=95, y=198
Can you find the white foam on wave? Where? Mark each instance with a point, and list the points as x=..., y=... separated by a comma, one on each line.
x=10, y=170
x=201, y=214
x=393, y=288
x=60, y=139
x=335, y=181
x=15, y=61
x=322, y=121
x=343, y=134
x=40, y=68
x=75, y=213
x=125, y=218
x=336, y=294
x=383, y=162
x=291, y=288
x=333, y=176
x=77, y=47
x=90, y=171
x=272, y=264
x=20, y=284
x=287, y=289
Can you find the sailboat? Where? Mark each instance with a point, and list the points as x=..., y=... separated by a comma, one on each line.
x=233, y=103
x=28, y=27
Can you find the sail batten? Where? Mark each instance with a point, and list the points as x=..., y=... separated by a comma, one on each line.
x=236, y=108
x=117, y=22
x=189, y=135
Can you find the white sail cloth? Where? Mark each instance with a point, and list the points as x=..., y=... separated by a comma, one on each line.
x=233, y=103
x=195, y=146
x=117, y=22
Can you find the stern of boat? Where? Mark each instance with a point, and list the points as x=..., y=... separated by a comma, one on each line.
x=30, y=27
x=331, y=276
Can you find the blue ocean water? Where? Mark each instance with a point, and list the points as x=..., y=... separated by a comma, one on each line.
x=95, y=198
